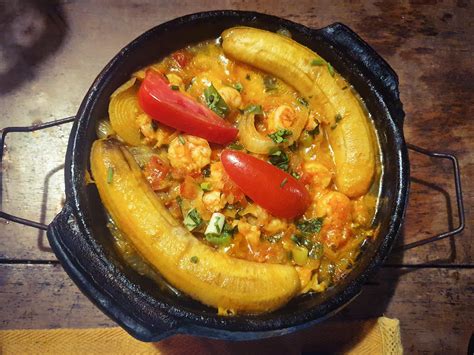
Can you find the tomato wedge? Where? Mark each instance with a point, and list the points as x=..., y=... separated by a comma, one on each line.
x=275, y=190
x=179, y=111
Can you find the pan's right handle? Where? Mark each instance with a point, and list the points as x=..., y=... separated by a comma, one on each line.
x=374, y=66
x=33, y=128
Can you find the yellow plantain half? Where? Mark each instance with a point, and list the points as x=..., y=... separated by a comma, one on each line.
x=346, y=124
x=202, y=272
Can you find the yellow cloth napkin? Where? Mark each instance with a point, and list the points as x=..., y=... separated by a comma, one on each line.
x=380, y=336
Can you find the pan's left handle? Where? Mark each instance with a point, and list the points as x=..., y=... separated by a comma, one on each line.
x=33, y=128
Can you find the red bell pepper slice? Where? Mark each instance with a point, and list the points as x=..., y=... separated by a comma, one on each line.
x=275, y=190
x=181, y=112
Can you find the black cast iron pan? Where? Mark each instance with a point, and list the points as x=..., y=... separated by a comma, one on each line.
x=81, y=241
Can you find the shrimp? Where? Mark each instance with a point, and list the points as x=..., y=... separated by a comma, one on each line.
x=337, y=210
x=283, y=117
x=214, y=201
x=154, y=133
x=231, y=97
x=320, y=175
x=189, y=153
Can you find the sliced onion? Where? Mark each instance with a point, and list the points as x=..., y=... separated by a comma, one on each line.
x=253, y=140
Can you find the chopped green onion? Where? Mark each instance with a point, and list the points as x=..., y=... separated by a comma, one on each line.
x=256, y=109
x=216, y=224
x=283, y=183
x=280, y=135
x=235, y=146
x=338, y=117
x=110, y=175
x=206, y=186
x=192, y=220
x=315, y=131
x=317, y=62
x=215, y=101
x=224, y=237
x=238, y=86
x=174, y=87
x=194, y=259
x=330, y=68
x=181, y=139
x=295, y=175
x=270, y=83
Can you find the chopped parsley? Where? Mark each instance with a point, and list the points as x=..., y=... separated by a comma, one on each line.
x=174, y=87
x=235, y=146
x=215, y=101
x=283, y=183
x=317, y=62
x=279, y=159
x=302, y=101
x=270, y=83
x=256, y=109
x=310, y=226
x=206, y=186
x=194, y=259
x=110, y=175
x=330, y=69
x=238, y=86
x=280, y=135
x=193, y=219
x=181, y=139
x=224, y=237
x=295, y=175
x=315, y=249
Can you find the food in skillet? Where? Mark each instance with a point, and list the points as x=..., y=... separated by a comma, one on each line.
x=242, y=170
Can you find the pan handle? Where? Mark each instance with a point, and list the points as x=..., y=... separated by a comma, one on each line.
x=459, y=200
x=373, y=65
x=33, y=128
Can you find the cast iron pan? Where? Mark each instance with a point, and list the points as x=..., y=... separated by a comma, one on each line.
x=81, y=241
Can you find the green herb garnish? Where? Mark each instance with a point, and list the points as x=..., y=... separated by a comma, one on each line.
x=317, y=62
x=295, y=175
x=224, y=237
x=248, y=77
x=330, y=69
x=206, y=186
x=194, y=259
x=181, y=139
x=302, y=101
x=270, y=83
x=174, y=87
x=283, y=183
x=215, y=101
x=256, y=109
x=238, y=86
x=192, y=220
x=279, y=159
x=280, y=135
x=338, y=118
x=110, y=175
x=310, y=226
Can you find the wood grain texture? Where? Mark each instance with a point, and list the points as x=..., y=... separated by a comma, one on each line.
x=428, y=43
x=434, y=307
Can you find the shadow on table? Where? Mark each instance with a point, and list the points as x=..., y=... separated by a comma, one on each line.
x=30, y=32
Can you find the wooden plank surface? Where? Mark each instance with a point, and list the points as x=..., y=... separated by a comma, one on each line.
x=434, y=307
x=428, y=43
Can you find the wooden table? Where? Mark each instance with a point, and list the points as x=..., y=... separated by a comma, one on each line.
x=430, y=46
